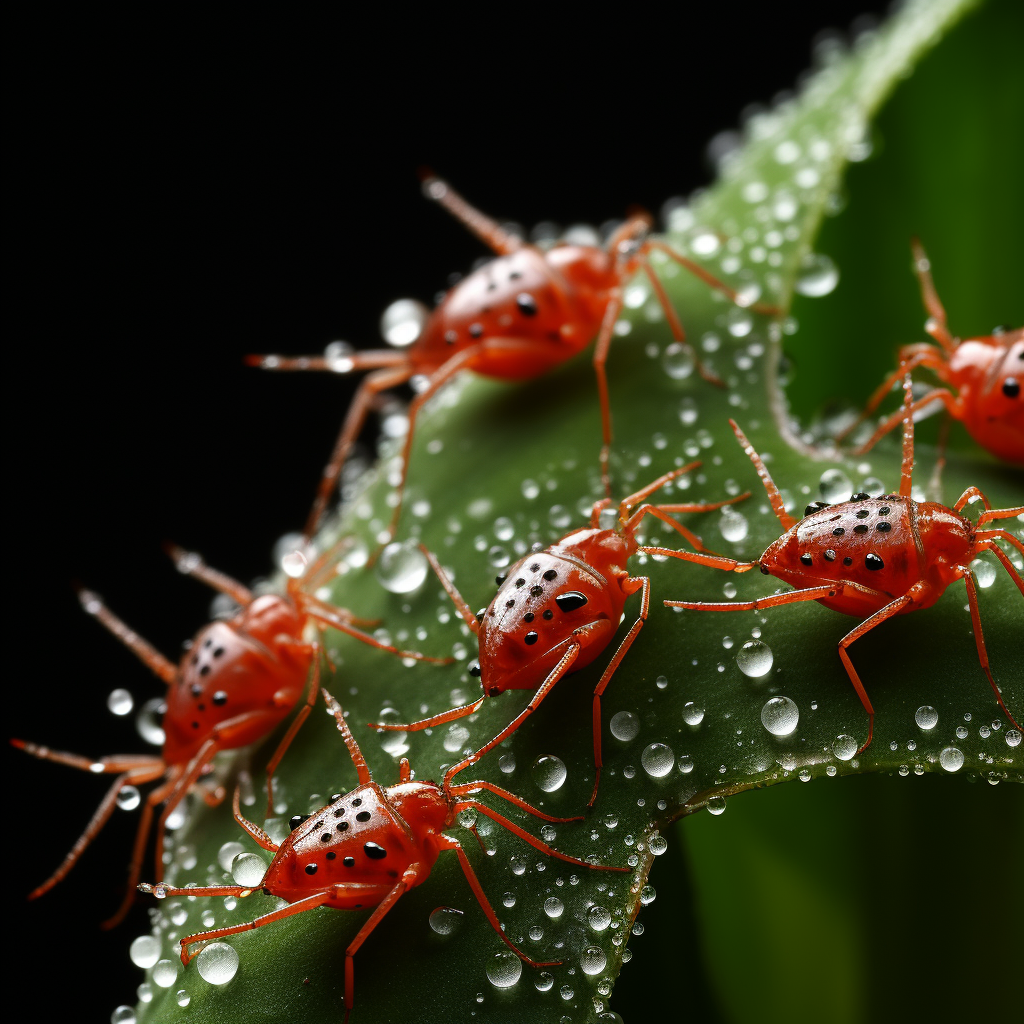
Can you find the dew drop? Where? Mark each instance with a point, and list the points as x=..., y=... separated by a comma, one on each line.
x=507, y=763
x=217, y=963
x=248, y=869
x=149, y=720
x=984, y=572
x=780, y=716
x=165, y=972
x=294, y=564
x=144, y=951
x=658, y=760
x=543, y=982
x=926, y=717
x=1012, y=738
x=445, y=920
x=961, y=732
x=739, y=322
x=128, y=798
x=553, y=907
x=120, y=702
x=686, y=764
x=182, y=998
x=593, y=960
x=559, y=516
x=530, y=489
x=123, y=1015
x=624, y=726
x=835, y=486
x=648, y=895
x=657, y=844
x=402, y=567
x=548, y=773
x=402, y=322
x=716, y=805
x=498, y=557
x=733, y=525
x=227, y=853
x=688, y=412
x=951, y=759
x=693, y=714
x=818, y=276
x=755, y=659
x=455, y=738
x=677, y=361
x=599, y=918
x=844, y=747
x=509, y=899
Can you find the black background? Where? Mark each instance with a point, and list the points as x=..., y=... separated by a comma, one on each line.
x=183, y=193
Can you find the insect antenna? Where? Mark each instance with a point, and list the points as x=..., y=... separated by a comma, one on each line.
x=907, y=469
x=362, y=771
x=769, y=484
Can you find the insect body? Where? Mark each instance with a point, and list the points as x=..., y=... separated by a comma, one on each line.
x=556, y=610
x=986, y=373
x=365, y=849
x=513, y=319
x=236, y=682
x=872, y=557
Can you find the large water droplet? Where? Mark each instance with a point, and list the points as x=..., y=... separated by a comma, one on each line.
x=165, y=972
x=818, y=276
x=149, y=721
x=984, y=572
x=755, y=659
x=544, y=981
x=648, y=894
x=926, y=717
x=553, y=907
x=402, y=322
x=217, y=963
x=658, y=760
x=593, y=960
x=844, y=747
x=716, y=805
x=624, y=725
x=951, y=759
x=733, y=525
x=144, y=951
x=128, y=798
x=455, y=738
x=445, y=920
x=599, y=918
x=402, y=567
x=227, y=853
x=693, y=714
x=835, y=486
x=504, y=969
x=120, y=702
x=780, y=716
x=248, y=869
x=548, y=773
x=657, y=843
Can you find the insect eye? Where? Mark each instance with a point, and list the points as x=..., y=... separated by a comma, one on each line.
x=296, y=820
x=570, y=601
x=1011, y=387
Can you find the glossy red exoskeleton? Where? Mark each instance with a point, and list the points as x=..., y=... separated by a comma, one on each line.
x=365, y=849
x=872, y=557
x=986, y=373
x=237, y=680
x=556, y=610
x=514, y=319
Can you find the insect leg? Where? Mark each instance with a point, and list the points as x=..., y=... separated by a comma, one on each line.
x=474, y=884
x=714, y=561
x=604, y=341
x=999, y=513
x=488, y=231
x=191, y=564
x=362, y=770
x=952, y=403
x=790, y=597
x=465, y=788
x=988, y=538
x=376, y=382
x=936, y=323
x=428, y=723
x=606, y=676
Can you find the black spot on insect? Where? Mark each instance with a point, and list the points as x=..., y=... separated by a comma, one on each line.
x=815, y=506
x=536, y=591
x=806, y=559
x=500, y=578
x=339, y=812
x=196, y=689
x=476, y=330
x=330, y=855
x=550, y=574
x=208, y=642
x=325, y=837
x=847, y=560
x=510, y=603
x=219, y=653
x=860, y=496
x=883, y=527
x=195, y=725
x=515, y=275
x=884, y=510
x=529, y=617
x=860, y=528
x=201, y=707
x=520, y=582
x=349, y=862
x=205, y=670
x=571, y=600
x=535, y=567
x=863, y=513
x=548, y=614
x=374, y=852
x=474, y=667
x=451, y=337
x=838, y=532
x=296, y=820
x=872, y=561
x=342, y=826
x=310, y=869
x=830, y=555
x=527, y=304
x=363, y=816
x=530, y=639
x=220, y=698
x=1011, y=387
x=357, y=802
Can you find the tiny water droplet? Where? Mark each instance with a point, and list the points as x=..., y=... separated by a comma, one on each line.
x=123, y=1015
x=677, y=361
x=657, y=844
x=716, y=805
x=402, y=322
x=1012, y=738
x=507, y=763
x=128, y=798
x=733, y=526
x=648, y=895
x=455, y=738
x=818, y=276
x=543, y=982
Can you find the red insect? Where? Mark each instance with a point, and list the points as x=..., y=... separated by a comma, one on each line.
x=556, y=610
x=987, y=374
x=513, y=319
x=365, y=849
x=237, y=681
x=872, y=557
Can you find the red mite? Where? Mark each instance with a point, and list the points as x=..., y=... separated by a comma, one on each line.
x=986, y=372
x=236, y=682
x=514, y=319
x=872, y=557
x=556, y=610
x=365, y=849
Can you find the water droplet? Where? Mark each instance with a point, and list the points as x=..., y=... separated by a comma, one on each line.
x=445, y=920
x=227, y=853
x=144, y=951
x=530, y=489
x=599, y=918
x=593, y=960
x=739, y=322
x=686, y=764
x=149, y=720
x=165, y=972
x=553, y=907
x=716, y=805
x=123, y=1015
x=548, y=773
x=217, y=963
x=657, y=844
x=543, y=981
x=182, y=998
x=504, y=969
x=780, y=716
x=805, y=775
x=509, y=899
x=498, y=557
x=624, y=726
x=818, y=276
x=705, y=244
x=658, y=760
x=402, y=567
x=293, y=564
x=1012, y=738
x=733, y=525
x=830, y=771
x=755, y=659
x=559, y=516
x=961, y=732
x=693, y=714
x=926, y=717
x=248, y=869
x=787, y=152
x=648, y=895
x=128, y=798
x=835, y=486
x=455, y=738
x=984, y=572
x=688, y=412
x=507, y=763
x=844, y=747
x=677, y=361
x=951, y=759
x=120, y=702
x=402, y=322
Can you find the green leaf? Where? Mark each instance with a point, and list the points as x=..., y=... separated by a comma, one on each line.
x=496, y=468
